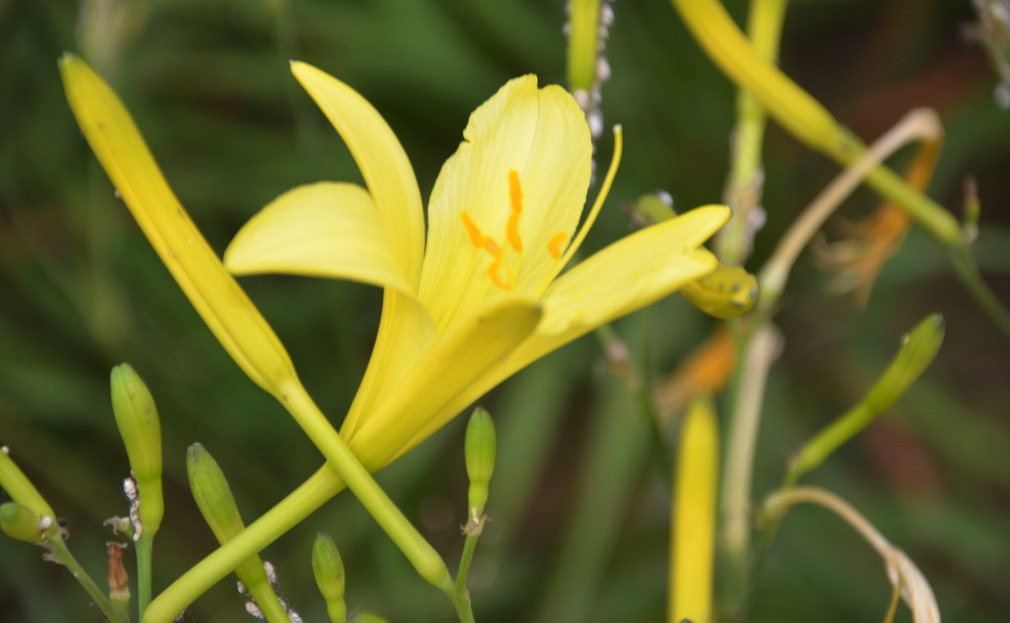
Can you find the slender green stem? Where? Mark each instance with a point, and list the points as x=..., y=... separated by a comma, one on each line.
x=61, y=554
x=143, y=548
x=469, y=546
x=418, y=551
x=743, y=188
x=616, y=351
x=461, y=596
x=967, y=271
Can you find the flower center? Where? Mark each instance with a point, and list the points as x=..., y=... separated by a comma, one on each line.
x=501, y=272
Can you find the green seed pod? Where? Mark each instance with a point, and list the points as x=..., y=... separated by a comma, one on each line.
x=22, y=523
x=480, y=448
x=329, y=571
x=137, y=419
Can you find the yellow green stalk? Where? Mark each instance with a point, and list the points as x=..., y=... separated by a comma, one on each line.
x=692, y=530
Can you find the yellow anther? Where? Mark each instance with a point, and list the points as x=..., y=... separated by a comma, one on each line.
x=554, y=244
x=516, y=195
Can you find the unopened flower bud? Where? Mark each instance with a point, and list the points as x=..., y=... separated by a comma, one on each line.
x=22, y=523
x=480, y=448
x=217, y=505
x=19, y=488
x=329, y=571
x=918, y=349
x=137, y=419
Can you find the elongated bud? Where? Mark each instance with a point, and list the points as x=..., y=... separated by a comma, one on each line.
x=329, y=571
x=137, y=419
x=917, y=351
x=480, y=448
x=22, y=523
x=212, y=494
x=17, y=485
x=693, y=525
x=217, y=505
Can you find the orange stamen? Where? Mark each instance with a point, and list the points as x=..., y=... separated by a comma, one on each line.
x=516, y=195
x=554, y=244
x=476, y=238
x=493, y=272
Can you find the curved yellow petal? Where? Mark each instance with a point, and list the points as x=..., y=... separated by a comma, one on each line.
x=520, y=176
x=632, y=273
x=405, y=332
x=327, y=229
x=449, y=367
x=220, y=301
x=381, y=159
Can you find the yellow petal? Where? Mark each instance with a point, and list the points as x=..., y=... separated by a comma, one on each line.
x=631, y=273
x=220, y=301
x=405, y=331
x=542, y=135
x=446, y=369
x=326, y=229
x=381, y=159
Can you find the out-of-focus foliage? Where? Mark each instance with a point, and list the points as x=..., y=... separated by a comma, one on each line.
x=579, y=508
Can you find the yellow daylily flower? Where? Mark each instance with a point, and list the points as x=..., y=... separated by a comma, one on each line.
x=503, y=222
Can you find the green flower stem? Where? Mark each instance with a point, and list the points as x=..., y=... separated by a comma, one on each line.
x=59, y=553
x=735, y=529
x=469, y=546
x=585, y=23
x=743, y=189
x=426, y=561
x=143, y=548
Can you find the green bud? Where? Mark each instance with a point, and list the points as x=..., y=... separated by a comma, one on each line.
x=367, y=617
x=137, y=419
x=217, y=505
x=480, y=448
x=212, y=494
x=918, y=349
x=652, y=209
x=22, y=523
x=21, y=490
x=329, y=572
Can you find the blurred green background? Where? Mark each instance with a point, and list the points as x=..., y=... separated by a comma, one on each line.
x=580, y=509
